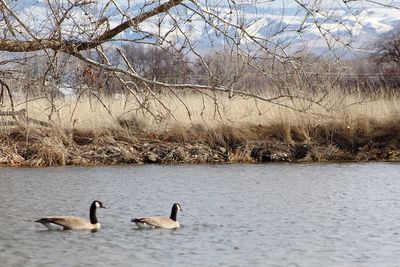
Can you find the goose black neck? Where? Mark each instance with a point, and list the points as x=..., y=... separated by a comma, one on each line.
x=93, y=218
x=174, y=212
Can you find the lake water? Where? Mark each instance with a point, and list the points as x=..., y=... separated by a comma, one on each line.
x=233, y=215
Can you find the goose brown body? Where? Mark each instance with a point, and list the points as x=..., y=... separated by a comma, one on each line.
x=73, y=222
x=156, y=222
x=160, y=221
x=69, y=223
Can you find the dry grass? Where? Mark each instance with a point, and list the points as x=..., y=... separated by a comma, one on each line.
x=347, y=121
x=49, y=152
x=114, y=130
x=89, y=114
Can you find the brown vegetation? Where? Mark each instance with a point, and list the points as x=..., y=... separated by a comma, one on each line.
x=253, y=143
x=241, y=132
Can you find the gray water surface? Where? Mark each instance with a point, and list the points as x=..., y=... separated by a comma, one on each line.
x=234, y=215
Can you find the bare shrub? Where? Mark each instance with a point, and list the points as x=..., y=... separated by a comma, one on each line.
x=157, y=63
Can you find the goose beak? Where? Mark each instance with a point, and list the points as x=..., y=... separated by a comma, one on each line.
x=103, y=207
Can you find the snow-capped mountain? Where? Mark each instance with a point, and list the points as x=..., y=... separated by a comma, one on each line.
x=353, y=29
x=272, y=25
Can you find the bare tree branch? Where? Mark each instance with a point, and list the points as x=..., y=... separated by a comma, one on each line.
x=71, y=46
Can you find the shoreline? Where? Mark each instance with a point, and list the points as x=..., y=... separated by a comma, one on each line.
x=83, y=149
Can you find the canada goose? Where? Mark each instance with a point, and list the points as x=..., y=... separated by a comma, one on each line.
x=159, y=221
x=73, y=222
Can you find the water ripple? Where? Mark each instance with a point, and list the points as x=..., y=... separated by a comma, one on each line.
x=234, y=215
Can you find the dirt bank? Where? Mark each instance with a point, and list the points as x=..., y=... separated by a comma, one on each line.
x=56, y=147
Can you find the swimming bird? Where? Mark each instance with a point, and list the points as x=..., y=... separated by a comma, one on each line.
x=159, y=221
x=73, y=222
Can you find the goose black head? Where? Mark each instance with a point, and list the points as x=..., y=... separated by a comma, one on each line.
x=177, y=207
x=98, y=204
